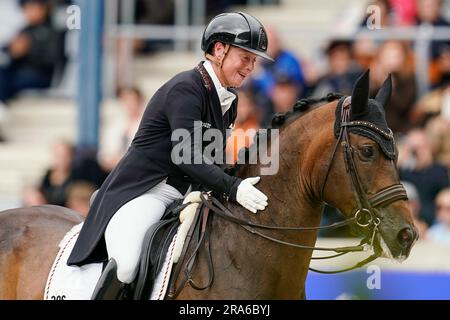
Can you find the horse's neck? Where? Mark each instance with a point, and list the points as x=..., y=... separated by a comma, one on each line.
x=295, y=188
x=288, y=202
x=292, y=202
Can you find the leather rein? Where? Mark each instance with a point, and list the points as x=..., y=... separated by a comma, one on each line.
x=364, y=216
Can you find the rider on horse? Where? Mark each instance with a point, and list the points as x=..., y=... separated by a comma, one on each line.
x=146, y=181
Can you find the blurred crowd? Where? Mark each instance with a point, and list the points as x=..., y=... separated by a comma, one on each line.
x=420, y=122
x=73, y=177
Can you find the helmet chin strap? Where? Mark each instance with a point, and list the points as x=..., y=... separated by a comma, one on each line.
x=218, y=61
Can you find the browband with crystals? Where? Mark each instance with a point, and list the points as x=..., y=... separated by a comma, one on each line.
x=387, y=135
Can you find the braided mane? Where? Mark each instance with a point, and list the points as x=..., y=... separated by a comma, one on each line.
x=300, y=108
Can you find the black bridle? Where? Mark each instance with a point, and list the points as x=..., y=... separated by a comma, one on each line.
x=364, y=216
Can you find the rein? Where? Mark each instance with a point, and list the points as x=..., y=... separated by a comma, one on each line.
x=364, y=216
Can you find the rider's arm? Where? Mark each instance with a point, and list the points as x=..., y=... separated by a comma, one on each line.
x=183, y=109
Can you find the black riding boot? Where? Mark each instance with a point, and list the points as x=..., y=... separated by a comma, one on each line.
x=108, y=286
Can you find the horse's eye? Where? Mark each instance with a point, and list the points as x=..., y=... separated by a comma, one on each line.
x=367, y=151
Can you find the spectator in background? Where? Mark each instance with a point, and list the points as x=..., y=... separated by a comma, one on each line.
x=118, y=137
x=364, y=51
x=342, y=72
x=65, y=170
x=438, y=129
x=245, y=126
x=78, y=196
x=429, y=13
x=440, y=231
x=440, y=75
x=285, y=92
x=60, y=174
x=33, y=53
x=404, y=11
x=33, y=196
x=394, y=58
x=415, y=207
x=416, y=165
x=264, y=77
x=432, y=104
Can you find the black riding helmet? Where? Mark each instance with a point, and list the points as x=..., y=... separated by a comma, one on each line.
x=238, y=29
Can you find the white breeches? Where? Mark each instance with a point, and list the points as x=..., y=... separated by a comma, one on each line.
x=126, y=229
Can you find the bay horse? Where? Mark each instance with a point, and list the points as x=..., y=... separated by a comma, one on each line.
x=339, y=153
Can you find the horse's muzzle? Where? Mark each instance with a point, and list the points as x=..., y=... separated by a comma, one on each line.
x=406, y=238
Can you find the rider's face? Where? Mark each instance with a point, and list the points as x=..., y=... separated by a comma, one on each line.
x=237, y=66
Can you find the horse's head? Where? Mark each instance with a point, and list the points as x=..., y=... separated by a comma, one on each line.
x=365, y=155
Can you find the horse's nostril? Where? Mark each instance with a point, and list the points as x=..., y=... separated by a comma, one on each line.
x=405, y=236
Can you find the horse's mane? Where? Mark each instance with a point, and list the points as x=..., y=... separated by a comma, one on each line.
x=279, y=120
x=300, y=108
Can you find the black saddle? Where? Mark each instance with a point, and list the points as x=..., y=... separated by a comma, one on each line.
x=157, y=241
x=154, y=249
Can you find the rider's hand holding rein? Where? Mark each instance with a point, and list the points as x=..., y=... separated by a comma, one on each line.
x=250, y=197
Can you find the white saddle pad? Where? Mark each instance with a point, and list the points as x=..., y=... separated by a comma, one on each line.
x=71, y=283
x=78, y=283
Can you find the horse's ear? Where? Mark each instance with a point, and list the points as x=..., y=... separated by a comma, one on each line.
x=384, y=94
x=360, y=95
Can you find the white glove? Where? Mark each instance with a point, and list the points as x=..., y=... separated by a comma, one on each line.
x=249, y=197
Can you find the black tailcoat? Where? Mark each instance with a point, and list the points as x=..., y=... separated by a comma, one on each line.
x=189, y=96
